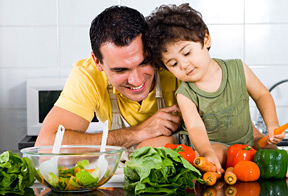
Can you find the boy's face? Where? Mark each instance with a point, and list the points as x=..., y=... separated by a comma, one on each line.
x=187, y=60
x=126, y=69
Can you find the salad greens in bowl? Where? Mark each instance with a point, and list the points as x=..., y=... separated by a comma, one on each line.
x=76, y=168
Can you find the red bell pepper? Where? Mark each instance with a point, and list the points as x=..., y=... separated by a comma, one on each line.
x=171, y=146
x=239, y=152
x=187, y=152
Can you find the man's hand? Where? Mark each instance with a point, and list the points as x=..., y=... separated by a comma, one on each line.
x=163, y=122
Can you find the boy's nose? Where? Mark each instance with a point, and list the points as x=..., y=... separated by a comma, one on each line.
x=184, y=66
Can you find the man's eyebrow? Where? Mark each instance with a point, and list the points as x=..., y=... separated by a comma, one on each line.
x=145, y=61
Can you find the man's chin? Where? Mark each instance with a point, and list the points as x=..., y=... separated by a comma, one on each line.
x=138, y=97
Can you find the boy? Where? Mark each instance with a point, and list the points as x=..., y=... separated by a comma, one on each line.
x=214, y=94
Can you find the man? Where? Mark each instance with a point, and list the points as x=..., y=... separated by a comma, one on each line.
x=117, y=83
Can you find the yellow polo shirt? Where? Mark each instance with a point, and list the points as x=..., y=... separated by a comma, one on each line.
x=85, y=92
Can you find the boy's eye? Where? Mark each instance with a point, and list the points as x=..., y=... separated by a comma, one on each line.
x=187, y=53
x=174, y=64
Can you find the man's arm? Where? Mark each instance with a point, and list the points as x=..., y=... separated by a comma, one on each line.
x=69, y=120
x=164, y=122
x=75, y=127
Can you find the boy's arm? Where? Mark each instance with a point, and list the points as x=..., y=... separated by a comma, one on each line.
x=264, y=102
x=196, y=129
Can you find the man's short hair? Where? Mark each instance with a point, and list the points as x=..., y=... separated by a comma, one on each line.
x=118, y=25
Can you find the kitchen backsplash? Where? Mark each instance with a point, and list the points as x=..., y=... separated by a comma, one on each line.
x=42, y=38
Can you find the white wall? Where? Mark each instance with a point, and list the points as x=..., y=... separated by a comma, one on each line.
x=40, y=38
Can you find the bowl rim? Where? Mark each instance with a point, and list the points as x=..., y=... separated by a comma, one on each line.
x=29, y=150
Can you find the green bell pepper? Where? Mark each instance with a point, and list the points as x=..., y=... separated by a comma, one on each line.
x=272, y=163
x=273, y=187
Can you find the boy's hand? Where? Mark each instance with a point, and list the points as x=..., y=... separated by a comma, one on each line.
x=274, y=139
x=211, y=156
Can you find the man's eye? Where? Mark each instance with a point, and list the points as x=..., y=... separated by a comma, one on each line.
x=119, y=70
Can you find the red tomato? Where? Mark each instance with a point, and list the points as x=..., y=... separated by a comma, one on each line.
x=247, y=171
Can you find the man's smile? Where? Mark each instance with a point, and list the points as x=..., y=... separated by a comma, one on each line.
x=138, y=87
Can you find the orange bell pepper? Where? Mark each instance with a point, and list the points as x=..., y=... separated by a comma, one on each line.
x=239, y=152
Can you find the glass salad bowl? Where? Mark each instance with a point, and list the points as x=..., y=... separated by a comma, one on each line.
x=76, y=168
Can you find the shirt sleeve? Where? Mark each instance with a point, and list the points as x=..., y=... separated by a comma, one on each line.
x=79, y=94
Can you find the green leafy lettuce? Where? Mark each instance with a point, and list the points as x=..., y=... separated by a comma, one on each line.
x=16, y=173
x=159, y=171
x=74, y=178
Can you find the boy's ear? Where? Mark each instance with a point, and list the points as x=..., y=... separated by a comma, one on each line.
x=97, y=62
x=207, y=40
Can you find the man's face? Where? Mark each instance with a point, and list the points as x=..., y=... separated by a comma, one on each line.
x=126, y=69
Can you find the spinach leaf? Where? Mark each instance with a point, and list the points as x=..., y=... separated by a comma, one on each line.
x=16, y=173
x=159, y=170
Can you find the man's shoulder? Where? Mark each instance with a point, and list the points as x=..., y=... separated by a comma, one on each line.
x=86, y=68
x=87, y=63
x=164, y=73
x=168, y=81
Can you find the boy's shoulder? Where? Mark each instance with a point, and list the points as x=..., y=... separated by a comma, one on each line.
x=229, y=61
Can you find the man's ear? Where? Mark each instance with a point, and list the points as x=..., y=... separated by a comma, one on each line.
x=207, y=40
x=97, y=62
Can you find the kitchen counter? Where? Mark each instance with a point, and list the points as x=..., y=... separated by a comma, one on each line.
x=40, y=190
x=115, y=187
x=269, y=187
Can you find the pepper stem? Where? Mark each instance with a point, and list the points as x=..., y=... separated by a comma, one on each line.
x=247, y=148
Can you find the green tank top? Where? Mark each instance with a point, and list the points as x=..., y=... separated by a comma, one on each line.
x=225, y=112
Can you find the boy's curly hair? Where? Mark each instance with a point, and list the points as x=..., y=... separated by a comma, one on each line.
x=171, y=23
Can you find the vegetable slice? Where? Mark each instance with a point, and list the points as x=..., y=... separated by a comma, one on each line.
x=229, y=176
x=210, y=178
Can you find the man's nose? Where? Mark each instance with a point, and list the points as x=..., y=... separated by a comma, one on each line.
x=135, y=78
